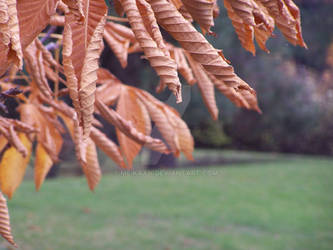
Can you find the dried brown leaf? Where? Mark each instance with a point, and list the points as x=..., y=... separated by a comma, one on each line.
x=97, y=12
x=164, y=66
x=91, y=167
x=121, y=30
x=10, y=45
x=49, y=135
x=173, y=129
x=76, y=7
x=57, y=20
x=5, y=229
x=108, y=146
x=182, y=66
x=81, y=68
x=185, y=139
x=158, y=115
x=128, y=108
x=244, y=31
x=129, y=130
x=151, y=25
x=35, y=67
x=80, y=145
x=287, y=18
x=3, y=11
x=47, y=55
x=194, y=43
x=243, y=9
x=202, y=12
x=119, y=45
x=206, y=88
x=87, y=85
x=33, y=17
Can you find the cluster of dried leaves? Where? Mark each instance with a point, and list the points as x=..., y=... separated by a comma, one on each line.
x=95, y=91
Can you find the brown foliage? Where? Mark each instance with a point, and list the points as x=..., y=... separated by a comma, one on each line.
x=95, y=91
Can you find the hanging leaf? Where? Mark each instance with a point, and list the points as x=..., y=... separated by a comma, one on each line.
x=35, y=66
x=173, y=129
x=43, y=164
x=91, y=167
x=3, y=142
x=206, y=88
x=10, y=45
x=202, y=12
x=80, y=68
x=81, y=34
x=87, y=85
x=195, y=43
x=34, y=15
x=243, y=9
x=185, y=139
x=76, y=7
x=182, y=66
x=5, y=229
x=129, y=109
x=117, y=43
x=108, y=146
x=151, y=25
x=129, y=130
x=13, y=166
x=165, y=67
x=244, y=31
x=157, y=114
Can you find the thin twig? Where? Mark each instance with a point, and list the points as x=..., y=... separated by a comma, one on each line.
x=118, y=19
x=56, y=84
x=49, y=32
x=56, y=36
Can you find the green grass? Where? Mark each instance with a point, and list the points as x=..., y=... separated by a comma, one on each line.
x=279, y=205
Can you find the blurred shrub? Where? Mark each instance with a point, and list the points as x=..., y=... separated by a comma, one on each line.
x=295, y=118
x=210, y=133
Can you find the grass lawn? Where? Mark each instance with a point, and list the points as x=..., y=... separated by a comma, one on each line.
x=279, y=205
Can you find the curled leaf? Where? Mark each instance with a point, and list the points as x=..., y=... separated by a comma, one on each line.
x=10, y=44
x=206, y=88
x=194, y=42
x=5, y=229
x=202, y=12
x=165, y=67
x=118, y=44
x=108, y=146
x=91, y=167
x=129, y=130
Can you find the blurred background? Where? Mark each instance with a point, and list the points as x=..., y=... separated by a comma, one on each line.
x=257, y=182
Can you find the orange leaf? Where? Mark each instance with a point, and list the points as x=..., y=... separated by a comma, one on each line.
x=130, y=110
x=43, y=164
x=129, y=130
x=3, y=142
x=12, y=167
